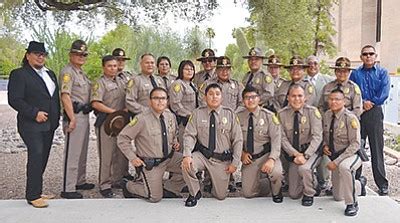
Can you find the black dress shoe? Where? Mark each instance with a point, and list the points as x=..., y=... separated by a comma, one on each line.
x=383, y=191
x=277, y=198
x=192, y=201
x=351, y=209
x=231, y=188
x=125, y=191
x=169, y=194
x=307, y=201
x=107, y=193
x=71, y=195
x=85, y=186
x=363, y=181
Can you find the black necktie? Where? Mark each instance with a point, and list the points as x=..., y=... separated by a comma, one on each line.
x=207, y=76
x=250, y=135
x=296, y=133
x=153, y=82
x=164, y=136
x=165, y=82
x=285, y=103
x=212, y=133
x=338, y=86
x=249, y=80
x=196, y=93
x=331, y=130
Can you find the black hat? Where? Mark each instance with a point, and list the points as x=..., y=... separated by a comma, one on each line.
x=207, y=53
x=255, y=52
x=274, y=60
x=115, y=122
x=78, y=46
x=36, y=47
x=120, y=54
x=342, y=63
x=223, y=62
x=296, y=61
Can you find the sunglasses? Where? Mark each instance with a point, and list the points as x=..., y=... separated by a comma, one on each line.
x=209, y=60
x=368, y=54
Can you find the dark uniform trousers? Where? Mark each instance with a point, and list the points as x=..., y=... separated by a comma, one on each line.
x=253, y=185
x=152, y=185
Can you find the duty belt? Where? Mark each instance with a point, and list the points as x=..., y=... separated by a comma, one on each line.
x=267, y=149
x=225, y=156
x=153, y=162
x=80, y=107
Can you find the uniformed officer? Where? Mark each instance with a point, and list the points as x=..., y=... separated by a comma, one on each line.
x=341, y=143
x=155, y=140
x=274, y=66
x=215, y=135
x=207, y=60
x=75, y=98
x=301, y=140
x=120, y=54
x=353, y=100
x=261, y=147
x=139, y=86
x=164, y=71
x=108, y=96
x=183, y=96
x=296, y=70
x=231, y=89
x=257, y=78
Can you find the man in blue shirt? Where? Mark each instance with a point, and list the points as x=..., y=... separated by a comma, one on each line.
x=375, y=84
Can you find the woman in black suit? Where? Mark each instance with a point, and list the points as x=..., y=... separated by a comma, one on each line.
x=33, y=93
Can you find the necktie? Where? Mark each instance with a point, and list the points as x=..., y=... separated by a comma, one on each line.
x=285, y=103
x=249, y=80
x=164, y=136
x=212, y=133
x=250, y=135
x=338, y=86
x=296, y=131
x=196, y=93
x=153, y=82
x=207, y=76
x=331, y=144
x=165, y=82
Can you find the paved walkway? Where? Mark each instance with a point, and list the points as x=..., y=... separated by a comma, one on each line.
x=372, y=209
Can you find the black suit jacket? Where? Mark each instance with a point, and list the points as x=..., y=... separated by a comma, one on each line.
x=28, y=94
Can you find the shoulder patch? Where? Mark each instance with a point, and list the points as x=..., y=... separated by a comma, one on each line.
x=177, y=87
x=237, y=119
x=95, y=86
x=190, y=118
x=354, y=123
x=130, y=83
x=66, y=78
x=317, y=113
x=133, y=121
x=357, y=89
x=202, y=86
x=275, y=119
x=310, y=89
x=268, y=79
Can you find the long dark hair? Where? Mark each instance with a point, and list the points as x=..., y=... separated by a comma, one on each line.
x=182, y=65
x=24, y=61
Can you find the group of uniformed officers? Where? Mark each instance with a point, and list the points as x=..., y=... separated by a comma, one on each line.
x=277, y=131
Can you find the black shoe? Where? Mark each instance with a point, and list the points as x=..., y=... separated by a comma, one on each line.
x=125, y=191
x=192, y=201
x=307, y=201
x=85, y=186
x=71, y=195
x=328, y=192
x=351, y=209
x=383, y=191
x=231, y=188
x=169, y=194
x=277, y=198
x=207, y=188
x=363, y=181
x=317, y=191
x=107, y=193
x=185, y=189
x=238, y=184
x=117, y=185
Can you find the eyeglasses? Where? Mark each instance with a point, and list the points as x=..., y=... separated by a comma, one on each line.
x=250, y=97
x=313, y=63
x=368, y=54
x=188, y=69
x=209, y=60
x=159, y=98
x=40, y=54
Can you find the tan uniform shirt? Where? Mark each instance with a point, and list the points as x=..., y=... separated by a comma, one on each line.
x=110, y=92
x=200, y=77
x=281, y=93
x=73, y=81
x=228, y=132
x=277, y=83
x=346, y=133
x=352, y=96
x=264, y=85
x=138, y=92
x=145, y=131
x=182, y=98
x=231, y=92
x=310, y=128
x=125, y=75
x=169, y=79
x=266, y=129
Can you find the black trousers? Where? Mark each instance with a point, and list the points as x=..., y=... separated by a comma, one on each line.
x=372, y=127
x=39, y=145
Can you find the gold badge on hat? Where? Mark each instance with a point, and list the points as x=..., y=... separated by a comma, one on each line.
x=346, y=90
x=261, y=122
x=177, y=87
x=224, y=120
x=354, y=123
x=303, y=120
x=273, y=60
x=224, y=62
x=295, y=62
x=83, y=47
x=253, y=52
x=341, y=124
x=206, y=54
x=342, y=64
x=275, y=120
x=121, y=53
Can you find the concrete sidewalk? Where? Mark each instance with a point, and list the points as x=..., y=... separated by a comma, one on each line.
x=372, y=209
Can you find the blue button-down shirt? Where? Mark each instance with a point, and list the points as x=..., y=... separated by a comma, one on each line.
x=374, y=83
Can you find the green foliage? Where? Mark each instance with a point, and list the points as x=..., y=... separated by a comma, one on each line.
x=11, y=54
x=239, y=65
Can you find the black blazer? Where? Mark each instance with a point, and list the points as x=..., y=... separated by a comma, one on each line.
x=28, y=94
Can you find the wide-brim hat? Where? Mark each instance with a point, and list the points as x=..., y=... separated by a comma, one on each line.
x=297, y=61
x=223, y=62
x=255, y=52
x=115, y=122
x=120, y=54
x=36, y=47
x=274, y=60
x=79, y=46
x=342, y=63
x=207, y=54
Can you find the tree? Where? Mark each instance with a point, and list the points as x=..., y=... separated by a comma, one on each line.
x=210, y=35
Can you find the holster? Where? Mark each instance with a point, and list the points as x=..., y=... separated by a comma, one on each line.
x=101, y=117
